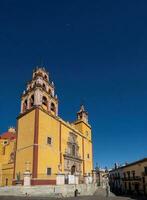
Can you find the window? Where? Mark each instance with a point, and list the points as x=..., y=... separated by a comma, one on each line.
x=49, y=140
x=5, y=142
x=44, y=101
x=53, y=107
x=49, y=170
x=25, y=104
x=32, y=101
x=44, y=86
x=88, y=156
x=118, y=175
x=133, y=174
x=124, y=175
x=145, y=170
x=128, y=174
x=49, y=91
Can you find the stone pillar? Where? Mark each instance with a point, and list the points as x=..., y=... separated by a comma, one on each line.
x=88, y=179
x=94, y=176
x=76, y=179
x=21, y=109
x=27, y=178
x=28, y=103
x=37, y=98
x=60, y=179
x=49, y=106
x=57, y=110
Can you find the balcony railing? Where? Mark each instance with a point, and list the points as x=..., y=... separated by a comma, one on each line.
x=134, y=178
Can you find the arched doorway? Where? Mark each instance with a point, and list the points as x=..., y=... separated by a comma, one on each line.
x=73, y=170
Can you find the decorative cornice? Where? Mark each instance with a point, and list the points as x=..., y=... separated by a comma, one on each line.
x=36, y=87
x=72, y=157
x=80, y=121
x=55, y=117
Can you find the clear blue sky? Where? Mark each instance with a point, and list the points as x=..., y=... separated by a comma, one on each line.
x=94, y=50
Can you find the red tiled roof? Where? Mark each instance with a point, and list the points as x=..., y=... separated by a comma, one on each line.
x=8, y=135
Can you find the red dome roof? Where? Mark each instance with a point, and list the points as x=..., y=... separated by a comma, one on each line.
x=8, y=135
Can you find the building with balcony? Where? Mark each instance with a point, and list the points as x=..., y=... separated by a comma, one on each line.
x=130, y=178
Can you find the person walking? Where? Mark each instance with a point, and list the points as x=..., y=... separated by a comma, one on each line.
x=107, y=190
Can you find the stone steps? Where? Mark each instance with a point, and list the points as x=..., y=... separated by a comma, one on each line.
x=102, y=192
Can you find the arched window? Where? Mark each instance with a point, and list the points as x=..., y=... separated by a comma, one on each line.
x=45, y=77
x=44, y=86
x=53, y=108
x=49, y=91
x=44, y=101
x=25, y=104
x=32, y=101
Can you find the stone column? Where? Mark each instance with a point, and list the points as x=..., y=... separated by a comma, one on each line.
x=28, y=103
x=49, y=106
x=37, y=98
x=57, y=110
x=76, y=179
x=94, y=176
x=21, y=109
x=27, y=178
x=60, y=179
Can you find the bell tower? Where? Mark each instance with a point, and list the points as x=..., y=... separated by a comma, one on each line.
x=40, y=91
x=81, y=122
x=82, y=114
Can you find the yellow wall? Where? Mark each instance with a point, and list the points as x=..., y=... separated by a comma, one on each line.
x=65, y=130
x=88, y=161
x=7, y=174
x=48, y=155
x=6, y=169
x=86, y=130
x=25, y=142
x=6, y=150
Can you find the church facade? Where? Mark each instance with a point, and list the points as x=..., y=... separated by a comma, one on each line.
x=46, y=145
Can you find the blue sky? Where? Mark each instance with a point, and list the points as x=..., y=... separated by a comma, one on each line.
x=96, y=52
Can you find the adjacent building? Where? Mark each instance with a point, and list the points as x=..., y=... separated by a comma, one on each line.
x=46, y=145
x=130, y=178
x=7, y=154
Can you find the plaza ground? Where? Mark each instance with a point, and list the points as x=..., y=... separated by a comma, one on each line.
x=69, y=198
x=100, y=194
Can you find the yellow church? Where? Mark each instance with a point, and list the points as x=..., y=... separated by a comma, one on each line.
x=46, y=148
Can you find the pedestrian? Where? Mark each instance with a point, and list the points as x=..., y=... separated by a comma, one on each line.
x=107, y=190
